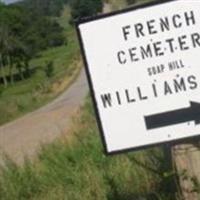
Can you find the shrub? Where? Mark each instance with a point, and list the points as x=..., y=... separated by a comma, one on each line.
x=49, y=69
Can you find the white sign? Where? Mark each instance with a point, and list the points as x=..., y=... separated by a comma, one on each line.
x=143, y=66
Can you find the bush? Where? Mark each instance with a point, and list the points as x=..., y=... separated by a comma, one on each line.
x=49, y=69
x=78, y=170
x=85, y=8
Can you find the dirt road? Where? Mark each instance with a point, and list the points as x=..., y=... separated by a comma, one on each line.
x=24, y=136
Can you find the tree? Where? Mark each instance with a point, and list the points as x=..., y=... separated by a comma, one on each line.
x=49, y=69
x=12, y=52
x=85, y=8
x=25, y=30
x=5, y=47
x=45, y=7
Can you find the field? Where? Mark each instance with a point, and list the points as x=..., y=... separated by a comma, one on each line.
x=28, y=95
x=75, y=168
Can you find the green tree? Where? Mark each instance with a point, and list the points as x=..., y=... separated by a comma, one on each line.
x=5, y=47
x=85, y=8
x=26, y=28
x=49, y=69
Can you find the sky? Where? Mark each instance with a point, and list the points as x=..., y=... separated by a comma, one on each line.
x=9, y=1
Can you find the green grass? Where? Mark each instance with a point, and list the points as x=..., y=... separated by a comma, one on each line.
x=76, y=169
x=28, y=95
x=118, y=4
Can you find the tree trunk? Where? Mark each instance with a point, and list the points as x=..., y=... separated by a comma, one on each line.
x=27, y=68
x=3, y=76
x=3, y=73
x=19, y=67
x=187, y=163
x=11, y=74
x=11, y=70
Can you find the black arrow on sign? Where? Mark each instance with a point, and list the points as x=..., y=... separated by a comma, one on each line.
x=191, y=113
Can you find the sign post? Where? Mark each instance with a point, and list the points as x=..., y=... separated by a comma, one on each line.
x=187, y=161
x=143, y=69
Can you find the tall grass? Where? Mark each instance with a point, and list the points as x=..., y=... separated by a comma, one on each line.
x=76, y=169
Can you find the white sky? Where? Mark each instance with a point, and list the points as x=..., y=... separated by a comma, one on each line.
x=9, y=1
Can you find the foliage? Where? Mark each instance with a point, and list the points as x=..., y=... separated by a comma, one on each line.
x=25, y=31
x=85, y=8
x=78, y=170
x=49, y=69
x=35, y=89
x=44, y=7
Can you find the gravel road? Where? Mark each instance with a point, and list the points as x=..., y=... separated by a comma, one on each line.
x=24, y=136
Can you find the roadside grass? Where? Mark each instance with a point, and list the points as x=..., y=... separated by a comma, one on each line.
x=75, y=168
x=117, y=4
x=28, y=95
x=120, y=4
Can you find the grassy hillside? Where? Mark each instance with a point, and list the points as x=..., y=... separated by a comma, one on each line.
x=25, y=96
x=76, y=169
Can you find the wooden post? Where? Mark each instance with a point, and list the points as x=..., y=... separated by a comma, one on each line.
x=186, y=158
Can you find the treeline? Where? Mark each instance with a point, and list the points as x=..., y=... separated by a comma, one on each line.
x=25, y=29
x=85, y=8
x=44, y=7
x=29, y=26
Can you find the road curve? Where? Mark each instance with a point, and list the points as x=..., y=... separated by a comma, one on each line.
x=24, y=136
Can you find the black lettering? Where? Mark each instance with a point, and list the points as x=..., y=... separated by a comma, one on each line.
x=118, y=98
x=158, y=49
x=139, y=30
x=129, y=100
x=149, y=72
x=192, y=81
x=154, y=90
x=190, y=18
x=171, y=46
x=126, y=31
x=195, y=39
x=140, y=94
x=146, y=52
x=179, y=85
x=183, y=43
x=106, y=99
x=176, y=21
x=133, y=54
x=121, y=57
x=167, y=89
x=164, y=24
x=151, y=27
